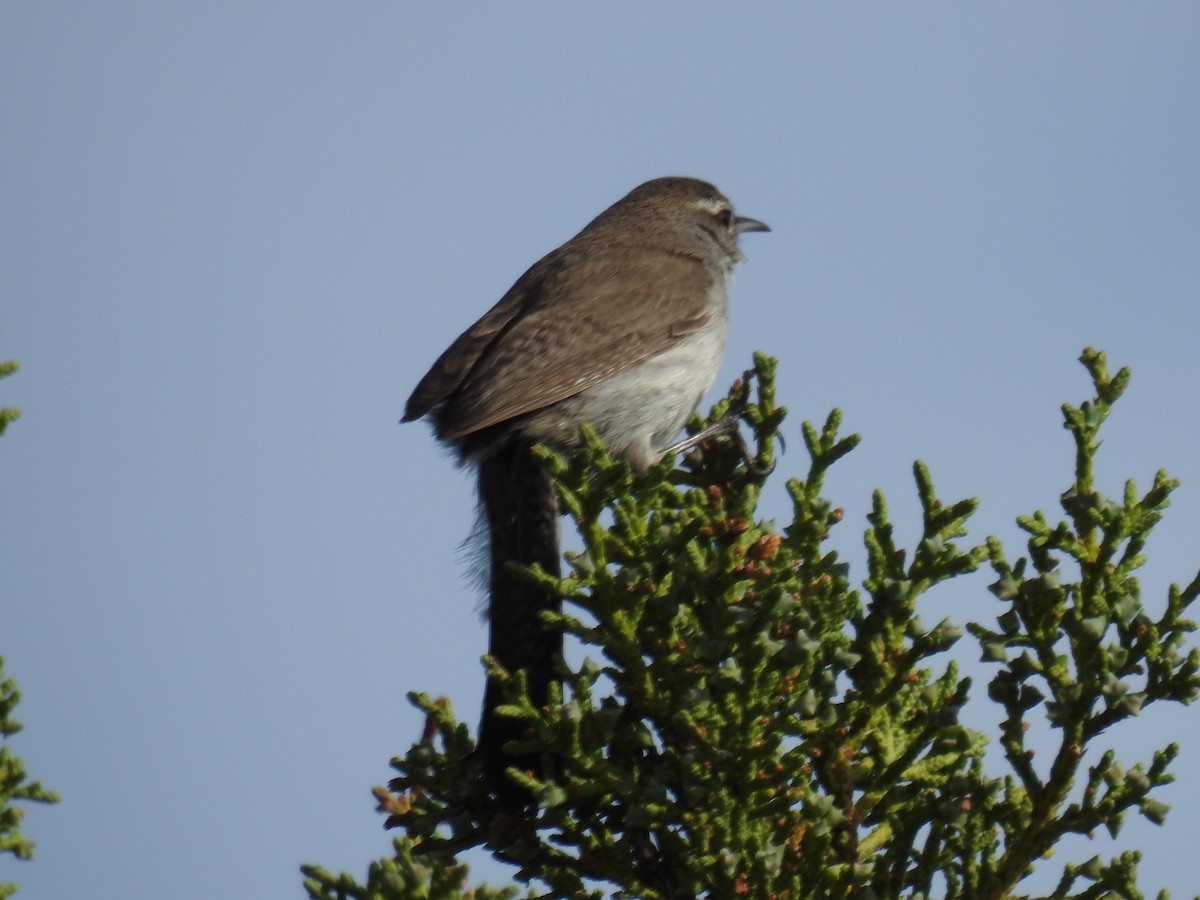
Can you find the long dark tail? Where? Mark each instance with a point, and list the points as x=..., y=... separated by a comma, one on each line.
x=522, y=516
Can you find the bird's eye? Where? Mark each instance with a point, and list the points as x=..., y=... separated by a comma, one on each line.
x=725, y=217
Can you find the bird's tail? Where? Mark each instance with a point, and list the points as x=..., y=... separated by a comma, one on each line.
x=521, y=510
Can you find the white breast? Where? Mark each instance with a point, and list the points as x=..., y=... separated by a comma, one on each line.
x=639, y=412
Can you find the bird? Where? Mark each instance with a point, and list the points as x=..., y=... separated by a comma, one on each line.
x=623, y=328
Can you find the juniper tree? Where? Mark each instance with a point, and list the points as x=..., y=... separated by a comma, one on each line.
x=15, y=786
x=747, y=722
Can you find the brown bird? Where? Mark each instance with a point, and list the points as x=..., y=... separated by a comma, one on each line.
x=622, y=327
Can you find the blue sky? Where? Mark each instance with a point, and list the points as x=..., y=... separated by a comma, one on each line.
x=235, y=235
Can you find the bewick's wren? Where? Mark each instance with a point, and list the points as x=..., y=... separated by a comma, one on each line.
x=622, y=327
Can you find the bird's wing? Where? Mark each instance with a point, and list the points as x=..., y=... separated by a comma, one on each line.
x=562, y=329
x=453, y=367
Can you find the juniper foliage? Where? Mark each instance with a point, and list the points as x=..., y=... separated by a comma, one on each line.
x=15, y=786
x=746, y=722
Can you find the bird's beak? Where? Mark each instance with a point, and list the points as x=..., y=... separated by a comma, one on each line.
x=742, y=224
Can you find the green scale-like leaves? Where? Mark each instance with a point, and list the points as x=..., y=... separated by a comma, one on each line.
x=745, y=723
x=15, y=787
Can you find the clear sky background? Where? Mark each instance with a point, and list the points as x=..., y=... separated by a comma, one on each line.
x=235, y=235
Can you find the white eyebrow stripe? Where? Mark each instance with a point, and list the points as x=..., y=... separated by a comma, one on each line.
x=711, y=205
